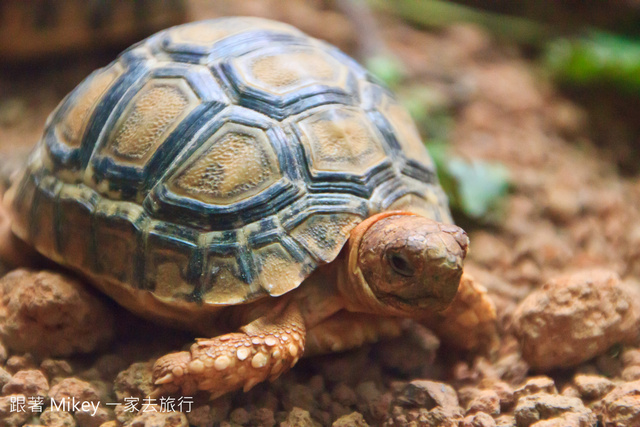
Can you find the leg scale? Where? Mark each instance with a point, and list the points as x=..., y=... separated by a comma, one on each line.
x=263, y=349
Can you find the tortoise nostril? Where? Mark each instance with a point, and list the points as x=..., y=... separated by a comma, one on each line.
x=463, y=240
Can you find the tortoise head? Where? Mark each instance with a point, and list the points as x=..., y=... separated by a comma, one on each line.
x=404, y=265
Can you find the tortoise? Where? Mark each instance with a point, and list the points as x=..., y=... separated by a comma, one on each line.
x=241, y=179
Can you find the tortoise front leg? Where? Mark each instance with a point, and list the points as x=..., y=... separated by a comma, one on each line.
x=263, y=349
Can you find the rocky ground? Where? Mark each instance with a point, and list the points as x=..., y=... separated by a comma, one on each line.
x=561, y=264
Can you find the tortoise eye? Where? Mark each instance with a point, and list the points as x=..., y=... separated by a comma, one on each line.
x=400, y=264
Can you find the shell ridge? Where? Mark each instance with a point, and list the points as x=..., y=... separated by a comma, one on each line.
x=109, y=109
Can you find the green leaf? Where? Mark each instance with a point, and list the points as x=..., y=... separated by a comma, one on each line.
x=475, y=187
x=386, y=68
x=597, y=58
x=480, y=185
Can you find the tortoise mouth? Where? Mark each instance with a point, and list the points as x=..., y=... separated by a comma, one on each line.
x=417, y=306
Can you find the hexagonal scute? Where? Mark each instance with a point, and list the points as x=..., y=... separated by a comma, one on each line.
x=199, y=37
x=341, y=139
x=324, y=234
x=285, y=71
x=235, y=163
x=151, y=115
x=83, y=101
x=405, y=132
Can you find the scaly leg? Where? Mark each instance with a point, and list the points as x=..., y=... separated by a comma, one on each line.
x=263, y=349
x=345, y=330
x=470, y=321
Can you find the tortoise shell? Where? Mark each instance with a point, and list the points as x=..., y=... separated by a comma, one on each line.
x=218, y=162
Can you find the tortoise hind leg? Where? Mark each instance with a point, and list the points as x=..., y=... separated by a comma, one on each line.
x=13, y=251
x=263, y=349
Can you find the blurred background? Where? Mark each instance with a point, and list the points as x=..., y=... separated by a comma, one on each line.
x=490, y=83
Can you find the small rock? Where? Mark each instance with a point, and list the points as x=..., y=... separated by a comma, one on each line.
x=436, y=403
x=212, y=413
x=355, y=419
x=267, y=399
x=563, y=204
x=4, y=354
x=574, y=318
x=630, y=357
x=159, y=419
x=593, y=386
x=570, y=391
x=56, y=368
x=316, y=383
x=437, y=417
x=503, y=390
x=609, y=363
x=428, y=394
x=505, y=420
x=93, y=418
x=263, y=417
x=542, y=406
x=486, y=401
x=20, y=362
x=337, y=410
x=325, y=401
x=411, y=353
x=466, y=394
x=14, y=416
x=4, y=377
x=512, y=368
x=301, y=397
x=540, y=384
x=240, y=416
x=124, y=414
x=299, y=418
x=110, y=365
x=621, y=406
x=51, y=314
x=57, y=418
x=75, y=388
x=479, y=419
x=372, y=402
x=200, y=416
x=135, y=381
x=567, y=419
x=30, y=382
x=631, y=373
x=344, y=395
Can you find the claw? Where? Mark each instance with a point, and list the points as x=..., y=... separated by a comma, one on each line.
x=169, y=378
x=250, y=384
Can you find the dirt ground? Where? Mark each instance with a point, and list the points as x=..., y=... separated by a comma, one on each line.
x=561, y=264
